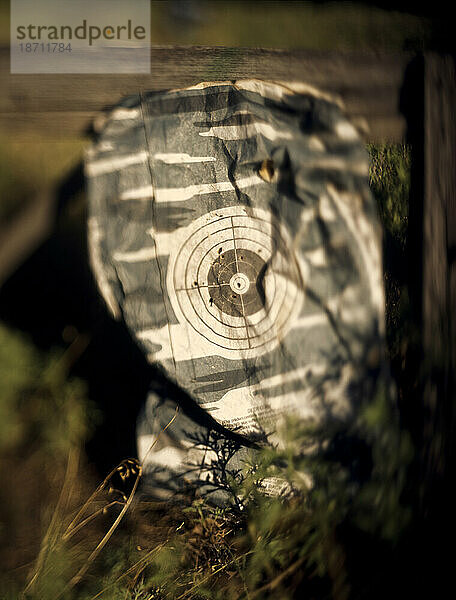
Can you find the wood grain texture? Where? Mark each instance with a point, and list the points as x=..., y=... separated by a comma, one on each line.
x=439, y=208
x=369, y=85
x=433, y=369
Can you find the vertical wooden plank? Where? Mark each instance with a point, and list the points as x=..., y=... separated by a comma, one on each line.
x=439, y=209
x=427, y=384
x=437, y=367
x=438, y=276
x=429, y=102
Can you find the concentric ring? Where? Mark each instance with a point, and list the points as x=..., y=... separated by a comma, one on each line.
x=235, y=280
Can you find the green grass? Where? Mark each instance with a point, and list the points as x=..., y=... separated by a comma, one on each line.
x=44, y=419
x=274, y=548
x=390, y=183
x=389, y=178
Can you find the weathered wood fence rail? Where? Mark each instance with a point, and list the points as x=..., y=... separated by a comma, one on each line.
x=62, y=105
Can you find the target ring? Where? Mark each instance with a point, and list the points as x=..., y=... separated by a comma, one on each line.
x=235, y=281
x=240, y=283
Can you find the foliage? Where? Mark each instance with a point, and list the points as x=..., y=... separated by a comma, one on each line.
x=39, y=403
x=264, y=547
x=44, y=418
x=389, y=177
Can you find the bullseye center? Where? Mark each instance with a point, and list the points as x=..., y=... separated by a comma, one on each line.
x=239, y=283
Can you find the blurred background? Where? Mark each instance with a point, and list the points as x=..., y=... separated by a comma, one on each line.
x=69, y=375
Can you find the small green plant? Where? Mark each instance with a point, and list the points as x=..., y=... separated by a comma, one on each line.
x=272, y=547
x=44, y=420
x=389, y=177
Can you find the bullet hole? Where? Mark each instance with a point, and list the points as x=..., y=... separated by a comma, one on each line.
x=267, y=170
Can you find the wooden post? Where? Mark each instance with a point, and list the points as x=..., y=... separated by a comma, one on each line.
x=439, y=209
x=439, y=276
x=430, y=107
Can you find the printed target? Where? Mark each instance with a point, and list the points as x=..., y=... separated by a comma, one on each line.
x=235, y=279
